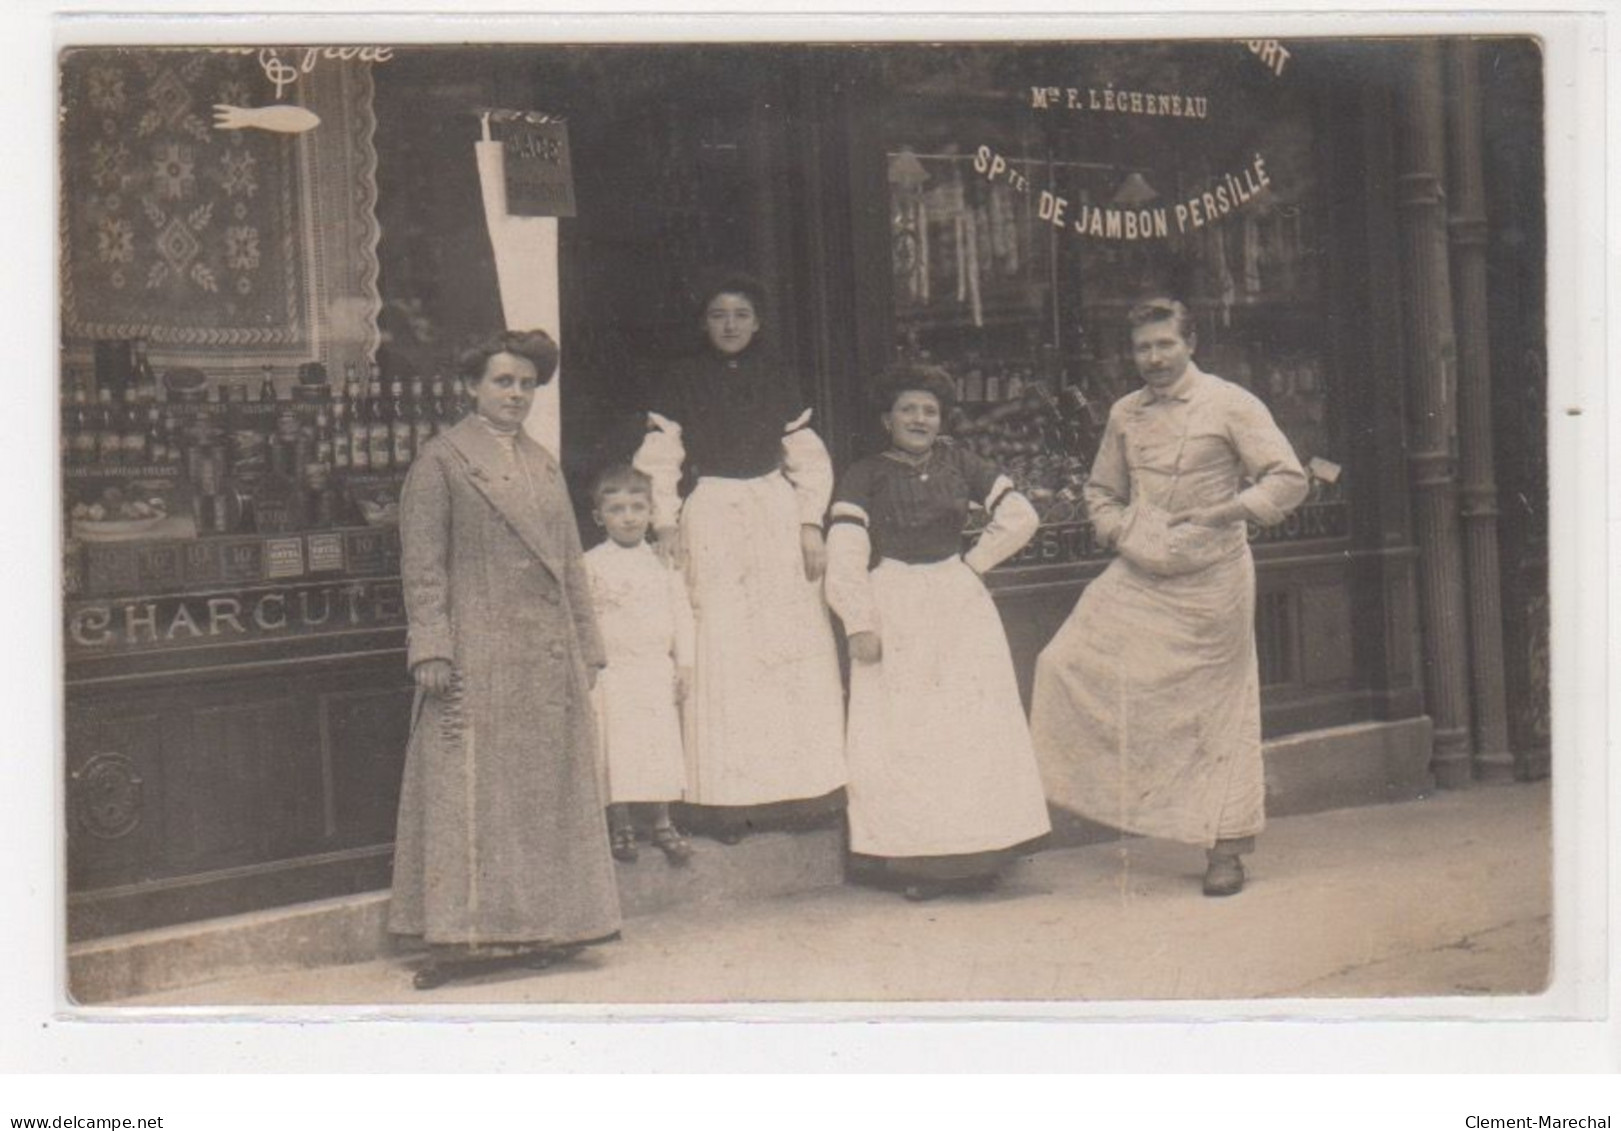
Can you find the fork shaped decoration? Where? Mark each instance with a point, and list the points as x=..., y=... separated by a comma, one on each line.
x=277, y=119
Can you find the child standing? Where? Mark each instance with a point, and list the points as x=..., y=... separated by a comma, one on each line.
x=647, y=630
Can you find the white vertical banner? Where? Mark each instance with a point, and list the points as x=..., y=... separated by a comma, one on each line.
x=526, y=271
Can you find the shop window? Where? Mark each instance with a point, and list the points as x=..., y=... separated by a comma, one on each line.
x=1037, y=193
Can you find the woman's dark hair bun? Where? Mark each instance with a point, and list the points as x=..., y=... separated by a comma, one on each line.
x=534, y=345
x=731, y=282
x=914, y=376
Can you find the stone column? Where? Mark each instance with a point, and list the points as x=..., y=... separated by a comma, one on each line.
x=1477, y=465
x=1431, y=357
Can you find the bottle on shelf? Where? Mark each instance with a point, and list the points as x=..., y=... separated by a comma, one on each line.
x=1014, y=389
x=272, y=439
x=157, y=444
x=994, y=381
x=267, y=385
x=421, y=420
x=142, y=375
x=285, y=443
x=323, y=437
x=109, y=434
x=85, y=439
x=401, y=431
x=444, y=403
x=218, y=508
x=124, y=417
x=132, y=428
x=379, y=436
x=319, y=503
x=206, y=480
x=359, y=431
x=973, y=380
x=340, y=435
x=173, y=440
x=454, y=401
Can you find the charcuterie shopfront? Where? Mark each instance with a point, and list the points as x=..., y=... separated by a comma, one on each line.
x=270, y=256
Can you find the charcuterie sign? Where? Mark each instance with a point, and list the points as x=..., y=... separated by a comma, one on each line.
x=120, y=625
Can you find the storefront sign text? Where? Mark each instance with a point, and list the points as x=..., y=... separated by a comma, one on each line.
x=284, y=74
x=1306, y=524
x=1108, y=100
x=1058, y=544
x=140, y=624
x=1232, y=191
x=1272, y=54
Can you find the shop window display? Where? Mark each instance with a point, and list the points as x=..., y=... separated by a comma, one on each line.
x=1027, y=217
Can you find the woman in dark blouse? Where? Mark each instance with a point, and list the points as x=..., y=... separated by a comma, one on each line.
x=765, y=719
x=943, y=781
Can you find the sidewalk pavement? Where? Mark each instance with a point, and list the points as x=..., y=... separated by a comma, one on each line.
x=1449, y=895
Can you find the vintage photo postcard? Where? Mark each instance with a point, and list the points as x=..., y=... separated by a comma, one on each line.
x=909, y=522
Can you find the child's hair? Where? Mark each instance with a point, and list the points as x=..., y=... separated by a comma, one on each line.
x=620, y=477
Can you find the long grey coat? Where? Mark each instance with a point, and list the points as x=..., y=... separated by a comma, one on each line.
x=502, y=837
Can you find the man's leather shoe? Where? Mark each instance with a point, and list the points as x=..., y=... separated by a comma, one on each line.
x=1224, y=876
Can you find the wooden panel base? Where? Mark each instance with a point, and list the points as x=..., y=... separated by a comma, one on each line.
x=208, y=792
x=231, y=891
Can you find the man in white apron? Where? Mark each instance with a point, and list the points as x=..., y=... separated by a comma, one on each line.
x=1146, y=713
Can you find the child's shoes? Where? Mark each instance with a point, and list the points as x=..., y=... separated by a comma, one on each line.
x=623, y=843
x=667, y=839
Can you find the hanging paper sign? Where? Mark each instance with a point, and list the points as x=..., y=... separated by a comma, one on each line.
x=540, y=180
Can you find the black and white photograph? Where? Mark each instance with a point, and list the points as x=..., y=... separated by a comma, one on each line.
x=942, y=525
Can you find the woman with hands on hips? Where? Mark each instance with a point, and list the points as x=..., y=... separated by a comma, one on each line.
x=944, y=787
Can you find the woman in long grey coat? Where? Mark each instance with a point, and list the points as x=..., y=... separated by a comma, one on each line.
x=502, y=849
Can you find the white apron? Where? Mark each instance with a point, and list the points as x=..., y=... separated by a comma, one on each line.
x=766, y=715
x=940, y=757
x=1147, y=713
